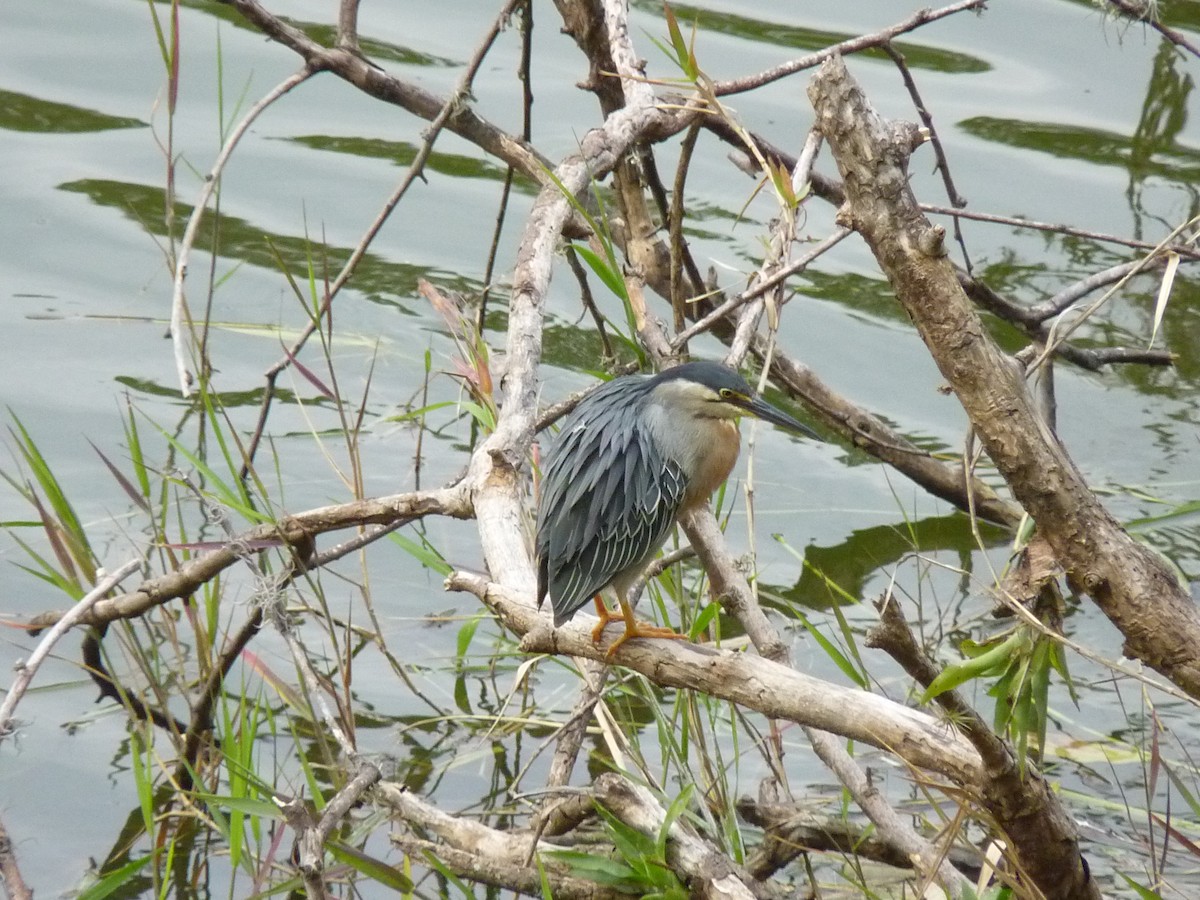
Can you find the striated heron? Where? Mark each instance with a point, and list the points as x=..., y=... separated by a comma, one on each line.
x=629, y=460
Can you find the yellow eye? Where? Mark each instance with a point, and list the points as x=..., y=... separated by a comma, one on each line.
x=726, y=393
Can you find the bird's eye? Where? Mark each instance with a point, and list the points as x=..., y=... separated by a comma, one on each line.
x=725, y=393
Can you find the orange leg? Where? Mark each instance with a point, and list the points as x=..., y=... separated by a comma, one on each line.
x=606, y=615
x=634, y=629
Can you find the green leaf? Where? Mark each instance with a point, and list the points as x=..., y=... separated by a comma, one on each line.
x=113, y=881
x=424, y=553
x=612, y=279
x=674, y=811
x=375, y=869
x=480, y=414
x=465, y=635
x=708, y=615
x=601, y=869
x=989, y=663
x=831, y=650
x=251, y=806
x=1143, y=892
x=233, y=497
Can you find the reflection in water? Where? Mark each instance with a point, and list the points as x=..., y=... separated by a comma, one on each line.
x=1164, y=115
x=22, y=112
x=380, y=280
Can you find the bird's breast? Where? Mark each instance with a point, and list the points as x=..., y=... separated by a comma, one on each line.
x=714, y=461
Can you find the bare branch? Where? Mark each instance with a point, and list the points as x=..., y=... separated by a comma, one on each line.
x=751, y=681
x=75, y=615
x=295, y=531
x=844, y=48
x=180, y=320
x=1133, y=587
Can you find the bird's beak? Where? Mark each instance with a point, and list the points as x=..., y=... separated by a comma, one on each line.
x=761, y=409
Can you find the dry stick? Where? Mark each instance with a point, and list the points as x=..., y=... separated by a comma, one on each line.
x=844, y=48
x=708, y=871
x=311, y=836
x=705, y=535
x=200, y=723
x=738, y=600
x=350, y=66
x=1018, y=222
x=75, y=615
x=1055, y=339
x=831, y=191
x=1130, y=584
x=523, y=74
x=10, y=872
x=1092, y=359
x=790, y=830
x=783, y=235
x=1022, y=803
x=872, y=434
x=675, y=231
x=1072, y=293
x=347, y=29
x=179, y=316
x=494, y=476
x=568, y=739
x=1147, y=12
x=415, y=170
x=501, y=858
x=589, y=303
x=294, y=530
x=1032, y=318
x=794, y=268
x=939, y=152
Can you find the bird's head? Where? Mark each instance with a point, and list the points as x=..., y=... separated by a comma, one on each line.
x=713, y=391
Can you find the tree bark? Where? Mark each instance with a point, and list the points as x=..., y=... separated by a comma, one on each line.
x=1129, y=583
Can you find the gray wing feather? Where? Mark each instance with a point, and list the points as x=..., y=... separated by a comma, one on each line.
x=609, y=499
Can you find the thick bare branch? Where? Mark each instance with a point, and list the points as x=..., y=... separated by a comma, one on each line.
x=751, y=681
x=1133, y=587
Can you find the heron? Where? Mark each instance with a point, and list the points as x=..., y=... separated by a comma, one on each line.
x=628, y=462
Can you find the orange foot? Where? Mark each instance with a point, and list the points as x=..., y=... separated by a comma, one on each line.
x=635, y=629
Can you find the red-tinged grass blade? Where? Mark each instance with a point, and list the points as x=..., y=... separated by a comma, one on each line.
x=309, y=375
x=126, y=485
x=1187, y=843
x=285, y=690
x=56, y=537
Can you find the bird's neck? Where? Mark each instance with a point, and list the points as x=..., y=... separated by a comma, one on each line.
x=713, y=463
